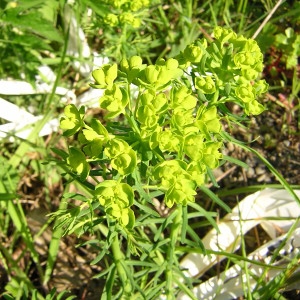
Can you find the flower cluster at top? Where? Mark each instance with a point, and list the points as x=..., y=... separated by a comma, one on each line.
x=120, y=12
x=173, y=110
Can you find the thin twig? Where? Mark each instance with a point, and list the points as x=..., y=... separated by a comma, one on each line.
x=266, y=19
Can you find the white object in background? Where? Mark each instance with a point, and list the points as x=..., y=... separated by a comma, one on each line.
x=251, y=211
x=21, y=122
x=43, y=85
x=21, y=119
x=230, y=283
x=77, y=44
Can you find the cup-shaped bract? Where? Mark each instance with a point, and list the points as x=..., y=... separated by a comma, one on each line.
x=77, y=161
x=194, y=146
x=245, y=92
x=116, y=198
x=176, y=181
x=260, y=87
x=112, y=20
x=181, y=192
x=193, y=53
x=254, y=108
x=197, y=170
x=208, y=120
x=181, y=98
x=169, y=141
x=205, y=84
x=72, y=121
x=114, y=100
x=212, y=154
x=115, y=147
x=125, y=163
x=105, y=76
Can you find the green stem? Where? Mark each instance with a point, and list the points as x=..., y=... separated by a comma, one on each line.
x=120, y=264
x=175, y=230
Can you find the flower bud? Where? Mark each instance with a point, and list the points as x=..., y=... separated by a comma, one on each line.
x=111, y=20
x=245, y=92
x=111, y=74
x=205, y=84
x=193, y=53
x=171, y=64
x=99, y=76
x=152, y=73
x=135, y=61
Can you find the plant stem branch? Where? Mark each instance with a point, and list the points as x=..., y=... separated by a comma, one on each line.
x=120, y=264
x=175, y=230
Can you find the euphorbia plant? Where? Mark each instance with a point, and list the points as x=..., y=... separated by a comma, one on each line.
x=161, y=136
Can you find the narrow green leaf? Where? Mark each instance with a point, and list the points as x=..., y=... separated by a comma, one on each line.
x=235, y=161
x=266, y=162
x=215, y=198
x=8, y=196
x=54, y=245
x=146, y=209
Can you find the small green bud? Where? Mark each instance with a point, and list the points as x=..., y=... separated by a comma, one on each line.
x=152, y=73
x=193, y=53
x=205, y=84
x=194, y=146
x=135, y=61
x=260, y=87
x=78, y=163
x=136, y=23
x=172, y=64
x=111, y=20
x=245, y=92
x=254, y=108
x=72, y=121
x=211, y=154
x=124, y=65
x=249, y=74
x=136, y=5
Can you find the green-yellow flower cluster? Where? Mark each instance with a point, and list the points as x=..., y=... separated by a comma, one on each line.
x=121, y=12
x=173, y=110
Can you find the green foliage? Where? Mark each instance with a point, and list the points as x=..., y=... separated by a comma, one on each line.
x=185, y=125
x=116, y=198
x=170, y=141
x=123, y=24
x=289, y=44
x=27, y=30
x=138, y=171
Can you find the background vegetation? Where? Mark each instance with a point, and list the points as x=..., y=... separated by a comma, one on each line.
x=41, y=263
